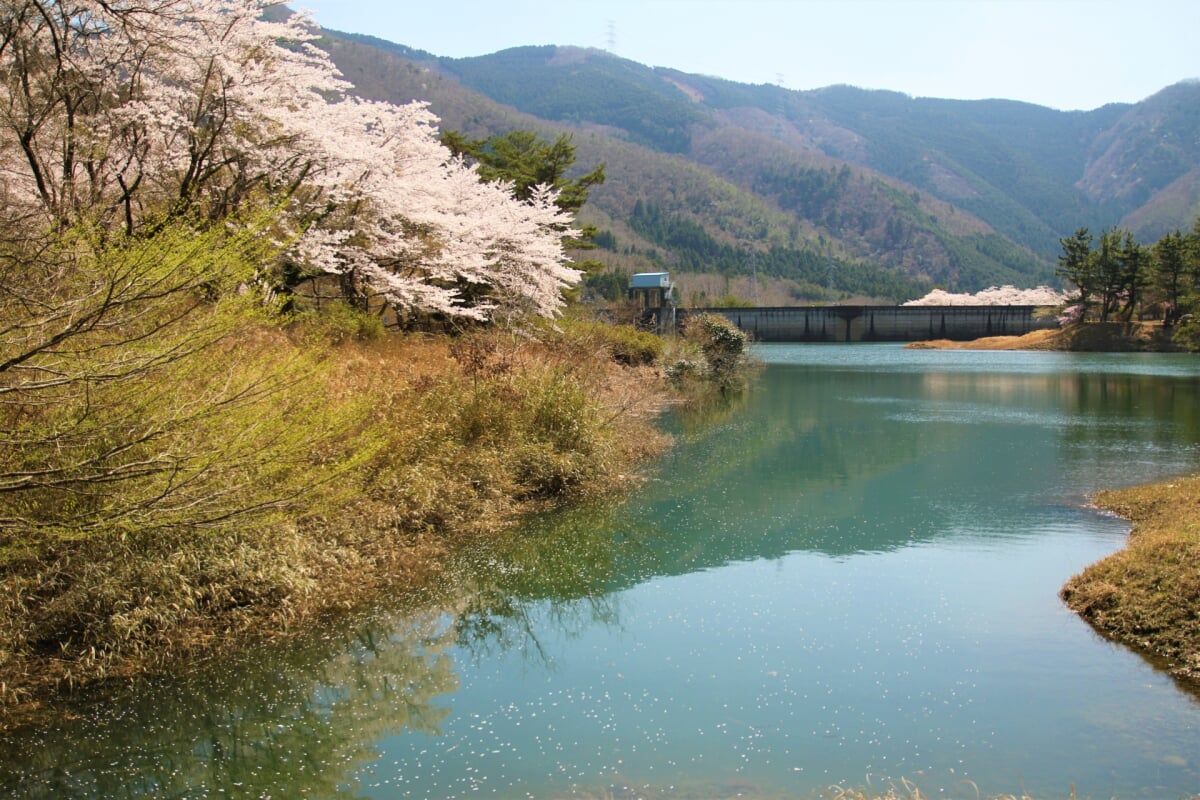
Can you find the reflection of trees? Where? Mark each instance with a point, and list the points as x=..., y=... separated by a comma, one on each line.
x=300, y=719
x=815, y=460
x=294, y=723
x=555, y=573
x=790, y=472
x=1125, y=399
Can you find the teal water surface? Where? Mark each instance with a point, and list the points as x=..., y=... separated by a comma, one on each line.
x=848, y=577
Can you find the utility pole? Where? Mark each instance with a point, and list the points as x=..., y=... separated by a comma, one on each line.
x=754, y=277
x=829, y=284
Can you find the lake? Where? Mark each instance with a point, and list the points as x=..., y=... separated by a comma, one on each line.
x=848, y=576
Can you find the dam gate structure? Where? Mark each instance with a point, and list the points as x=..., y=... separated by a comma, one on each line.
x=879, y=323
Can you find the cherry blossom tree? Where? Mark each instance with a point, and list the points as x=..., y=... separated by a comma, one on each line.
x=994, y=296
x=129, y=113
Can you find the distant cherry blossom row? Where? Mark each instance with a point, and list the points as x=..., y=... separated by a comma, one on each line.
x=995, y=296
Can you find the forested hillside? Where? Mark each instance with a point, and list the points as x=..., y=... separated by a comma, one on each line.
x=838, y=191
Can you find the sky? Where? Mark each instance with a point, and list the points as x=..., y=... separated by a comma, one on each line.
x=1065, y=54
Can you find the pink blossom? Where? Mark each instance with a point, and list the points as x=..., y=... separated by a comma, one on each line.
x=130, y=110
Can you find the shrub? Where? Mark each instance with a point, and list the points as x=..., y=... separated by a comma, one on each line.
x=722, y=343
x=633, y=347
x=624, y=344
x=339, y=321
x=1187, y=335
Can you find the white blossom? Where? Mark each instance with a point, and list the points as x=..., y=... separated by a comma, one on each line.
x=129, y=109
x=994, y=296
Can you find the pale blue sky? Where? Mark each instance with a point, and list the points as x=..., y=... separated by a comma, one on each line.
x=1066, y=54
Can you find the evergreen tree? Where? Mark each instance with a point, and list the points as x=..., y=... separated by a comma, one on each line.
x=1077, y=265
x=1135, y=263
x=526, y=161
x=1169, y=267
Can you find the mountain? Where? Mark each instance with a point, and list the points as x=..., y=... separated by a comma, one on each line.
x=832, y=192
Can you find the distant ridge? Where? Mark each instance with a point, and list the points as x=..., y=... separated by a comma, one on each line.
x=831, y=192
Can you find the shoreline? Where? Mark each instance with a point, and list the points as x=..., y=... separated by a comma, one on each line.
x=1092, y=337
x=465, y=455
x=455, y=440
x=1146, y=595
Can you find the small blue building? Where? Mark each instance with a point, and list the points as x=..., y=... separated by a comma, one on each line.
x=651, y=290
x=654, y=295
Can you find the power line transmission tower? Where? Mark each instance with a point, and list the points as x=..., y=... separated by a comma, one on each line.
x=612, y=36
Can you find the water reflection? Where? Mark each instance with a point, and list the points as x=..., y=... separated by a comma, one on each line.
x=288, y=722
x=301, y=720
x=851, y=568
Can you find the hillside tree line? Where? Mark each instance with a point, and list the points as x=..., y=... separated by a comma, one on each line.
x=1117, y=278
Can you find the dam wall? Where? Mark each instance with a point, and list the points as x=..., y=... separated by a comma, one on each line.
x=879, y=323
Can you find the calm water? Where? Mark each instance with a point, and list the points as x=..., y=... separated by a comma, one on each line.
x=848, y=578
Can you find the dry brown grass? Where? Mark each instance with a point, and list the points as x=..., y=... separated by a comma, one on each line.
x=448, y=439
x=1148, y=594
x=1034, y=340
x=1112, y=337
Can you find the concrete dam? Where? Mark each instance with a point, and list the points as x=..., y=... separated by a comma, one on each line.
x=878, y=323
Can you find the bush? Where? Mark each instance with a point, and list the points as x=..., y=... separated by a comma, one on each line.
x=338, y=321
x=168, y=401
x=1187, y=334
x=624, y=344
x=633, y=347
x=206, y=471
x=722, y=343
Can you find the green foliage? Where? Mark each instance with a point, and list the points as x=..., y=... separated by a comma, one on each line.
x=696, y=250
x=289, y=472
x=1077, y=266
x=631, y=346
x=339, y=321
x=1187, y=335
x=1170, y=273
x=605, y=240
x=141, y=393
x=584, y=338
x=723, y=345
x=1122, y=277
x=528, y=162
x=531, y=429
x=609, y=284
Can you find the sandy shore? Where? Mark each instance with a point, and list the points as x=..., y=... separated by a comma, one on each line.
x=1096, y=337
x=1035, y=340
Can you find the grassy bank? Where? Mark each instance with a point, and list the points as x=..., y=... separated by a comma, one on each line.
x=1147, y=595
x=287, y=470
x=1109, y=337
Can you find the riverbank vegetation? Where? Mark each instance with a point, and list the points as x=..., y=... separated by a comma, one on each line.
x=1119, y=280
x=291, y=467
x=1093, y=337
x=1148, y=594
x=219, y=415
x=1126, y=297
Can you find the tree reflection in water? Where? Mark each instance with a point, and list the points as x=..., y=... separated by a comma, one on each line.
x=302, y=718
x=291, y=721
